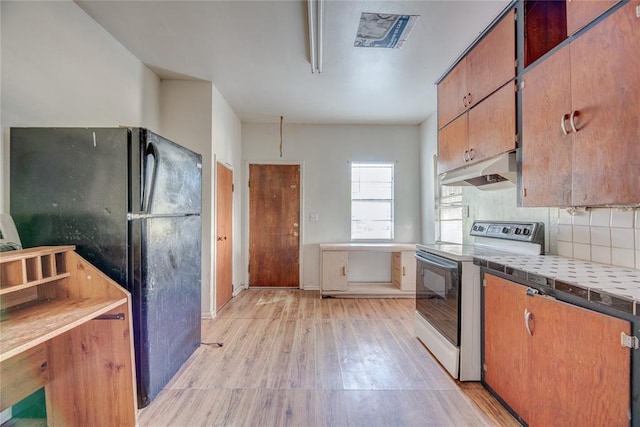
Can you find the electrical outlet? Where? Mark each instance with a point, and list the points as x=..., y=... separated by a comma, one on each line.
x=465, y=211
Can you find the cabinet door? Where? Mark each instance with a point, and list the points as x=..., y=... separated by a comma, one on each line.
x=404, y=270
x=335, y=270
x=582, y=12
x=506, y=347
x=452, y=144
x=605, y=84
x=581, y=375
x=452, y=91
x=546, y=150
x=491, y=63
x=492, y=125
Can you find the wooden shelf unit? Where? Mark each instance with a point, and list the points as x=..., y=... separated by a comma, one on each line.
x=67, y=327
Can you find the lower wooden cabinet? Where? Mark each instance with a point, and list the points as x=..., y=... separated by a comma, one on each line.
x=554, y=363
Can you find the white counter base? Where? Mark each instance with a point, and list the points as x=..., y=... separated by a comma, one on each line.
x=373, y=290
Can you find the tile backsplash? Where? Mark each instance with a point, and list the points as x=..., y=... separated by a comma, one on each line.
x=604, y=235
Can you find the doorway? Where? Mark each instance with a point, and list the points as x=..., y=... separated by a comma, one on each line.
x=224, y=232
x=274, y=225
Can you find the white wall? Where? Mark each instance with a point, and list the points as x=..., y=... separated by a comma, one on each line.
x=428, y=149
x=185, y=118
x=226, y=143
x=325, y=152
x=60, y=68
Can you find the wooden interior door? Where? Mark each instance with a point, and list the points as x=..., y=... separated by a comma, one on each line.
x=274, y=225
x=224, y=228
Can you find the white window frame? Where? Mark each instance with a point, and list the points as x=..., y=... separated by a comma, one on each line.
x=449, y=208
x=391, y=201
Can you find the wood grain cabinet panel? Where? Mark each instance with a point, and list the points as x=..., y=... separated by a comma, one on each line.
x=546, y=150
x=580, y=121
x=475, y=107
x=605, y=90
x=483, y=132
x=492, y=124
x=541, y=355
x=582, y=12
x=451, y=94
x=453, y=143
x=488, y=66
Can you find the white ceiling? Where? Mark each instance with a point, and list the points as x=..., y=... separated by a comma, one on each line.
x=256, y=54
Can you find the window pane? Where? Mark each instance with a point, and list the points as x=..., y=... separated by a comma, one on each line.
x=372, y=201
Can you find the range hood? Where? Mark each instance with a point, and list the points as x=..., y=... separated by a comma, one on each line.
x=495, y=173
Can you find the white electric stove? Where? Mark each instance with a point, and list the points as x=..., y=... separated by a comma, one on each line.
x=448, y=291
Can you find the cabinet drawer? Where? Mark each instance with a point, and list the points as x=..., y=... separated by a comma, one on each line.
x=23, y=374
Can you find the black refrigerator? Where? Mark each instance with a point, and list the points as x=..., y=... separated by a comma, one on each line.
x=130, y=200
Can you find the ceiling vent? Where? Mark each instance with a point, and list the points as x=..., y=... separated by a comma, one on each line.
x=384, y=30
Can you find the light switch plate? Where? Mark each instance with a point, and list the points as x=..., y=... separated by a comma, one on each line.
x=314, y=217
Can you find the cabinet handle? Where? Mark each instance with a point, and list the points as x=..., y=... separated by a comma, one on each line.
x=464, y=156
x=528, y=316
x=563, y=124
x=572, y=120
x=464, y=101
x=404, y=271
x=344, y=270
x=469, y=99
x=472, y=154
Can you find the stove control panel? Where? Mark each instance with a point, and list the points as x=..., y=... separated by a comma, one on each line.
x=532, y=232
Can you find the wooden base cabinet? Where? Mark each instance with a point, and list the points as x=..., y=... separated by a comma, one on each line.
x=580, y=120
x=554, y=363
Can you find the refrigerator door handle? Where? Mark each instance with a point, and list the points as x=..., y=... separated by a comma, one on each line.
x=149, y=177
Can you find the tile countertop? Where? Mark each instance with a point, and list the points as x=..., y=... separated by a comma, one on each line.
x=610, y=285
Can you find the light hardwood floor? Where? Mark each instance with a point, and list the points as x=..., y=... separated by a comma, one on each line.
x=290, y=358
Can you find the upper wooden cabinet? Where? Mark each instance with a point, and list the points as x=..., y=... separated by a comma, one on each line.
x=582, y=12
x=489, y=65
x=580, y=121
x=483, y=132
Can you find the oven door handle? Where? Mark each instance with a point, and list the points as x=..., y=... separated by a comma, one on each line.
x=442, y=264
